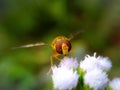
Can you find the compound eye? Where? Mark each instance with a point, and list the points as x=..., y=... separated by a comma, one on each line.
x=59, y=46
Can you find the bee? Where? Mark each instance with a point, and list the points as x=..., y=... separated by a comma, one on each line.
x=61, y=45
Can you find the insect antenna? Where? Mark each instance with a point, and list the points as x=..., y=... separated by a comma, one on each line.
x=31, y=45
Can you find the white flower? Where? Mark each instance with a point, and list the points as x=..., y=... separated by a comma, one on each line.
x=105, y=63
x=69, y=63
x=64, y=78
x=96, y=79
x=115, y=84
x=93, y=62
x=89, y=63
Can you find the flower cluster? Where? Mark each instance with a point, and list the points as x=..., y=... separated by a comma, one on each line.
x=115, y=84
x=94, y=71
x=65, y=75
x=90, y=73
x=93, y=62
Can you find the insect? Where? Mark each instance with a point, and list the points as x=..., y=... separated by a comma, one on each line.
x=61, y=45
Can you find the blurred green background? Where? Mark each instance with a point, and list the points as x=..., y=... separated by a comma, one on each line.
x=30, y=21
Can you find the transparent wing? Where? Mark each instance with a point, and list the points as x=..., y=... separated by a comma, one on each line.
x=31, y=45
x=75, y=34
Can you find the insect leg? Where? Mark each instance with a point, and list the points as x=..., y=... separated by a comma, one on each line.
x=51, y=61
x=51, y=64
x=54, y=56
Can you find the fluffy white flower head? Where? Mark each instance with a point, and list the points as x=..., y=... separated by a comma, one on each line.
x=96, y=79
x=64, y=78
x=69, y=63
x=105, y=63
x=115, y=84
x=93, y=62
x=89, y=63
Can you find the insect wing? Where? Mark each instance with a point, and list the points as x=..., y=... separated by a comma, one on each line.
x=31, y=45
x=75, y=34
